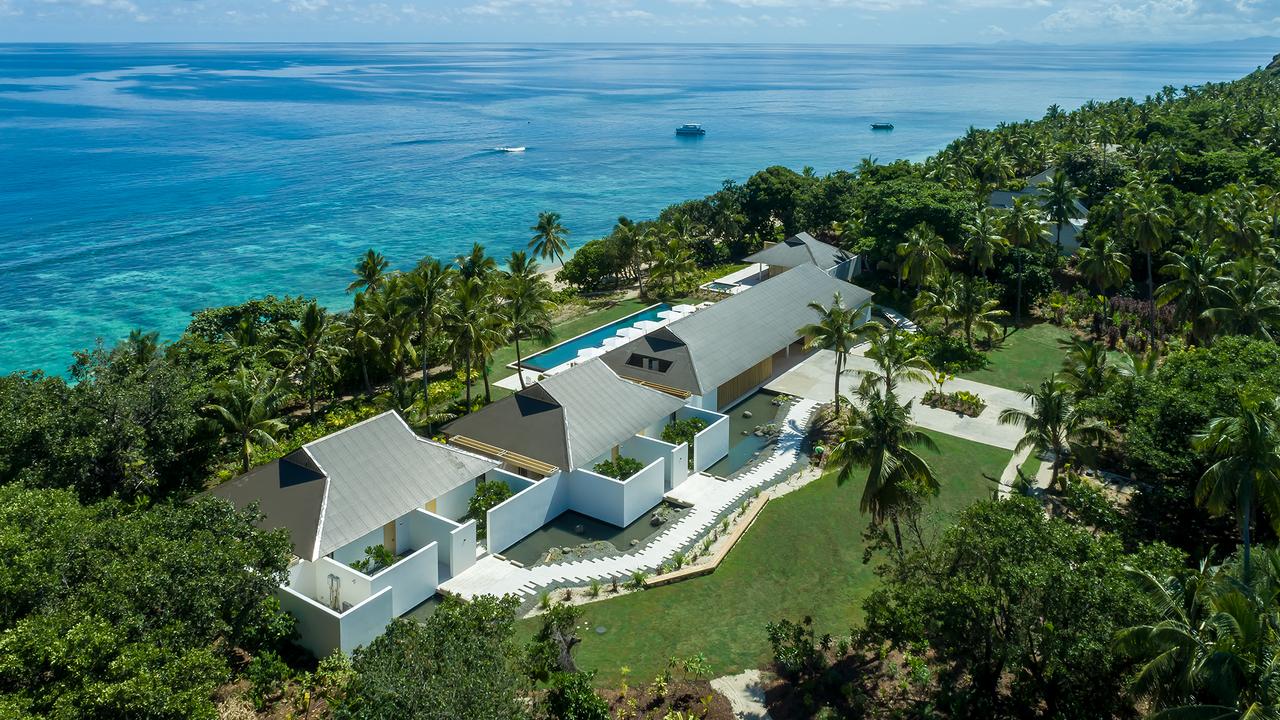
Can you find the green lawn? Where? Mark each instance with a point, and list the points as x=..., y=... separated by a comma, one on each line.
x=1026, y=357
x=802, y=556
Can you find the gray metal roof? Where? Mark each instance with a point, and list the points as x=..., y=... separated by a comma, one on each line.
x=718, y=343
x=1003, y=199
x=800, y=249
x=570, y=418
x=343, y=486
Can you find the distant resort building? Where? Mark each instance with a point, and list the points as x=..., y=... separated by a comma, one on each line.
x=804, y=249
x=1003, y=199
x=377, y=483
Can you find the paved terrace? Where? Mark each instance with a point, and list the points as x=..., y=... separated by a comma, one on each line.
x=710, y=497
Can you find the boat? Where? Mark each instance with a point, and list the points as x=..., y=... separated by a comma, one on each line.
x=881, y=126
x=510, y=149
x=690, y=129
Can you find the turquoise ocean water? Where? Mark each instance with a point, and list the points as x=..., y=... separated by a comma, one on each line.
x=141, y=182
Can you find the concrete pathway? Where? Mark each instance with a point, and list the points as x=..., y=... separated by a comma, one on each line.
x=815, y=377
x=746, y=695
x=1010, y=475
x=710, y=497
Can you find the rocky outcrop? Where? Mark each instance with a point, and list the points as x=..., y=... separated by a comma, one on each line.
x=1275, y=64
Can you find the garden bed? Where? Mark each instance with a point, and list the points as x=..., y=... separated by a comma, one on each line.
x=962, y=402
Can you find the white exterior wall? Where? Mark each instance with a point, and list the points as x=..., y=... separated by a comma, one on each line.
x=411, y=580
x=712, y=443
x=457, y=541
x=596, y=495
x=322, y=631
x=648, y=449
x=678, y=466
x=710, y=401
x=526, y=511
x=454, y=503
x=354, y=550
x=642, y=491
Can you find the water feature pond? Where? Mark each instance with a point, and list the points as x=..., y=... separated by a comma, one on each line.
x=744, y=444
x=572, y=530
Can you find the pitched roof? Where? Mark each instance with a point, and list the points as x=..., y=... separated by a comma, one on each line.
x=339, y=488
x=800, y=249
x=1004, y=198
x=570, y=418
x=701, y=352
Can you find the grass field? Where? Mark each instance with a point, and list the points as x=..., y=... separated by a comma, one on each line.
x=803, y=556
x=1026, y=357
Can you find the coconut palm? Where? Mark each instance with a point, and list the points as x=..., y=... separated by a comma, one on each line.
x=1245, y=450
x=393, y=326
x=1103, y=264
x=370, y=272
x=1086, y=369
x=141, y=347
x=895, y=359
x=1059, y=202
x=1196, y=284
x=672, y=262
x=475, y=264
x=526, y=303
x=1149, y=222
x=474, y=329
x=836, y=330
x=548, y=239
x=982, y=239
x=314, y=348
x=1024, y=228
x=924, y=253
x=425, y=289
x=247, y=409
x=361, y=329
x=1251, y=303
x=1054, y=423
x=880, y=437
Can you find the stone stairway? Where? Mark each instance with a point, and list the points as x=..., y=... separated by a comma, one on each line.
x=711, y=497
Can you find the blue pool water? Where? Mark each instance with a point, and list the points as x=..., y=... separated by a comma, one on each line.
x=568, y=350
x=139, y=183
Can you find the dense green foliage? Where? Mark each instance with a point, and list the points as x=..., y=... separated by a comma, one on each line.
x=619, y=468
x=488, y=495
x=107, y=611
x=462, y=662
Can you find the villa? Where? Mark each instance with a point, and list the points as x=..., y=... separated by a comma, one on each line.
x=1003, y=199
x=722, y=353
x=803, y=249
x=377, y=514
x=376, y=483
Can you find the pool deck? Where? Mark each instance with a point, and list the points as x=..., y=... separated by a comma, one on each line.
x=709, y=496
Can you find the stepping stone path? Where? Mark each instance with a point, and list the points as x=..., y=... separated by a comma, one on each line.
x=711, y=497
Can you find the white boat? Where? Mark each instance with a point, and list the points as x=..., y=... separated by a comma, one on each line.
x=510, y=149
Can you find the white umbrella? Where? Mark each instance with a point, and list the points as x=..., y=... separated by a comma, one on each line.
x=684, y=309
x=646, y=325
x=630, y=333
x=613, y=342
x=588, y=353
x=670, y=315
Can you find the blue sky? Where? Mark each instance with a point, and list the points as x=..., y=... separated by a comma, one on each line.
x=789, y=21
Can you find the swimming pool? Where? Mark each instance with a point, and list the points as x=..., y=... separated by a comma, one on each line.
x=568, y=350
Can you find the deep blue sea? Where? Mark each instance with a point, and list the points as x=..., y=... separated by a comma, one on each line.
x=141, y=182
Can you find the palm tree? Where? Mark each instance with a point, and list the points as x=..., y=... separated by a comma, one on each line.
x=527, y=303
x=1103, y=264
x=1212, y=652
x=672, y=262
x=1251, y=303
x=425, y=288
x=982, y=239
x=1086, y=369
x=475, y=264
x=1059, y=202
x=835, y=330
x=1196, y=284
x=896, y=361
x=1024, y=229
x=361, y=327
x=247, y=410
x=370, y=272
x=1054, y=424
x=312, y=343
x=881, y=439
x=548, y=239
x=393, y=326
x=141, y=347
x=1149, y=222
x=473, y=329
x=1245, y=450
x=963, y=300
x=924, y=254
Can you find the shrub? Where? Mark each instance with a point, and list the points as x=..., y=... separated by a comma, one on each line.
x=637, y=580
x=949, y=354
x=571, y=697
x=683, y=431
x=960, y=401
x=795, y=649
x=489, y=494
x=267, y=674
x=620, y=469
x=376, y=557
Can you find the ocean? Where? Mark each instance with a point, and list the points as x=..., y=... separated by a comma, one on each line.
x=139, y=183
